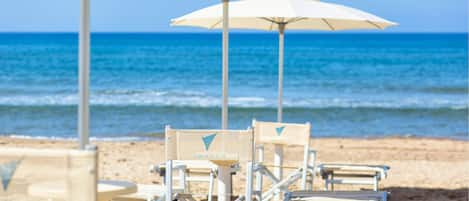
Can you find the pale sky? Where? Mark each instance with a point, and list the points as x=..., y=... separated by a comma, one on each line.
x=154, y=15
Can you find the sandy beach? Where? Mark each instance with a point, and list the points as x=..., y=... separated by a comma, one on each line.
x=421, y=168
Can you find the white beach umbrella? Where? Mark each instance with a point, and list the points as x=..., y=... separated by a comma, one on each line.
x=280, y=15
x=84, y=74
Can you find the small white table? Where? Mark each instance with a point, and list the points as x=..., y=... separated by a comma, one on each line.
x=106, y=189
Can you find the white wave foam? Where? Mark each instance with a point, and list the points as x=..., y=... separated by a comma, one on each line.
x=199, y=99
x=99, y=139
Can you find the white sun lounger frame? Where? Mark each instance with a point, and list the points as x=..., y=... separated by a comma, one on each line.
x=337, y=196
x=352, y=174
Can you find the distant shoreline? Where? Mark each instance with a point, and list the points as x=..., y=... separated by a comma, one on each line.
x=160, y=138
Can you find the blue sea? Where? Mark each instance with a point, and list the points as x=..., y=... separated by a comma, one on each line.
x=346, y=85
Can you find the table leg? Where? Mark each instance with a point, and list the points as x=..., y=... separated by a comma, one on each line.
x=210, y=186
x=169, y=181
x=224, y=183
x=326, y=183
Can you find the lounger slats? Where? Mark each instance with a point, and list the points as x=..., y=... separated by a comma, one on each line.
x=338, y=195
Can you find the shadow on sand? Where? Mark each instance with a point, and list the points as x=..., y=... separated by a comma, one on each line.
x=417, y=194
x=426, y=194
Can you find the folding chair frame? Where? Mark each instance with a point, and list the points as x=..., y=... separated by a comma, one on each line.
x=281, y=185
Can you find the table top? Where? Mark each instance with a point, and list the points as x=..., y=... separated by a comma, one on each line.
x=106, y=189
x=109, y=189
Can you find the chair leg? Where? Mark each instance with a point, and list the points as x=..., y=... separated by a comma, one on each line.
x=182, y=179
x=326, y=184
x=375, y=183
x=304, y=173
x=259, y=185
x=249, y=186
x=210, y=186
x=312, y=164
x=169, y=180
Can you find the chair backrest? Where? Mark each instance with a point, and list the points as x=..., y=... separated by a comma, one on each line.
x=281, y=133
x=38, y=174
x=218, y=146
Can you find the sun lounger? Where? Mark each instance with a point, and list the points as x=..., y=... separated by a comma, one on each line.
x=352, y=174
x=21, y=169
x=220, y=147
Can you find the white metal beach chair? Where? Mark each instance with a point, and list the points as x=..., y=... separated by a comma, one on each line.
x=283, y=134
x=220, y=147
x=299, y=134
x=48, y=175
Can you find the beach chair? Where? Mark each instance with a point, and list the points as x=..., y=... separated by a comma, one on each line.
x=188, y=171
x=283, y=134
x=48, y=175
x=299, y=134
x=220, y=147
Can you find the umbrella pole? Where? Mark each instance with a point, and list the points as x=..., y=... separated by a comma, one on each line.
x=225, y=66
x=278, y=156
x=281, y=38
x=224, y=175
x=84, y=73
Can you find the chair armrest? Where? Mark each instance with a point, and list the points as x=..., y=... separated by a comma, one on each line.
x=160, y=168
x=260, y=154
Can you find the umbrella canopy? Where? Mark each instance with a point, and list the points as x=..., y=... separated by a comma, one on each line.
x=297, y=14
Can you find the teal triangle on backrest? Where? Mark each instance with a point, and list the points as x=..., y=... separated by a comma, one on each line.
x=280, y=130
x=208, y=139
x=7, y=170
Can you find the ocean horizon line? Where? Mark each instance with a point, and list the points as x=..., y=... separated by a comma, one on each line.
x=245, y=32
